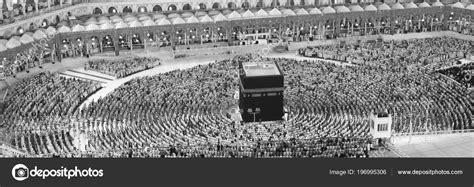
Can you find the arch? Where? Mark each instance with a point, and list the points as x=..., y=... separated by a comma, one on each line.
x=246, y=5
x=97, y=11
x=273, y=3
x=107, y=41
x=172, y=8
x=45, y=23
x=187, y=7
x=260, y=4
x=202, y=6
x=142, y=9
x=157, y=8
x=127, y=9
x=231, y=5
x=112, y=10
x=215, y=6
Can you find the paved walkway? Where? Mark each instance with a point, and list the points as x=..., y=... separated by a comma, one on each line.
x=446, y=145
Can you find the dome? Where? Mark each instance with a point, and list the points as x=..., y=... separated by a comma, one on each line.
x=342, y=9
x=424, y=5
x=247, y=14
x=206, y=18
x=383, y=7
x=173, y=15
x=148, y=23
x=64, y=29
x=178, y=20
x=200, y=13
x=458, y=5
x=371, y=8
x=106, y=26
x=437, y=4
x=315, y=11
x=12, y=43
x=192, y=19
x=78, y=28
x=288, y=12
x=121, y=25
x=357, y=8
x=39, y=34
x=187, y=15
x=143, y=18
x=328, y=10
x=302, y=12
x=234, y=15
x=92, y=27
x=136, y=24
x=129, y=19
x=410, y=5
x=261, y=13
x=214, y=12
x=397, y=6
x=274, y=12
x=26, y=38
x=218, y=17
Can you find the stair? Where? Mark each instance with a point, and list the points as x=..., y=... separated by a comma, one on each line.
x=88, y=76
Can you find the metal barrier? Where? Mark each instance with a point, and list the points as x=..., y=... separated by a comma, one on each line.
x=434, y=133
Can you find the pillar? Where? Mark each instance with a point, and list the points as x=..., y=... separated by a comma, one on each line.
x=49, y=4
x=61, y=3
x=116, y=43
x=23, y=5
x=230, y=39
x=1, y=11
x=36, y=6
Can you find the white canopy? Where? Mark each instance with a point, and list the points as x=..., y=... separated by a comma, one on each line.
x=78, y=28
x=315, y=11
x=234, y=15
x=261, y=13
x=3, y=42
x=163, y=21
x=424, y=5
x=64, y=29
x=396, y=6
x=39, y=34
x=3, y=48
x=103, y=18
x=135, y=24
x=121, y=25
x=92, y=27
x=411, y=5
x=342, y=9
x=103, y=21
x=148, y=23
x=106, y=26
x=206, y=18
x=288, y=12
x=383, y=7
x=274, y=12
x=328, y=10
x=470, y=7
x=357, y=8
x=192, y=19
x=301, y=12
x=26, y=38
x=458, y=5
x=437, y=3
x=51, y=30
x=247, y=14
x=218, y=17
x=178, y=20
x=12, y=43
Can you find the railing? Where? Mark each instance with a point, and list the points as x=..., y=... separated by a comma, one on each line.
x=434, y=133
x=396, y=151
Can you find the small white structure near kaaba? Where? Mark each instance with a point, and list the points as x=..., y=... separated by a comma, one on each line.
x=381, y=125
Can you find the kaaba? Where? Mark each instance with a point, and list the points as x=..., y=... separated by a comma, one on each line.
x=261, y=91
